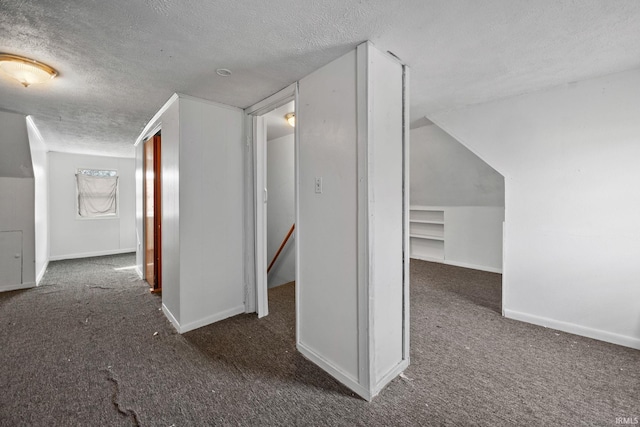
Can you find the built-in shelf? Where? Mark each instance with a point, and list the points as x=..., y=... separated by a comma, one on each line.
x=426, y=236
x=419, y=221
x=426, y=233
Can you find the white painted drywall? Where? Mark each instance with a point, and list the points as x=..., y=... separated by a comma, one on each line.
x=170, y=159
x=445, y=173
x=72, y=237
x=202, y=208
x=385, y=212
x=473, y=237
x=17, y=214
x=572, y=236
x=17, y=211
x=327, y=226
x=211, y=179
x=350, y=288
x=281, y=208
x=448, y=176
x=40, y=161
x=15, y=161
x=139, y=171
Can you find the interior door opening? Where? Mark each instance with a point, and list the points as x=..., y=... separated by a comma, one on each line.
x=274, y=139
x=280, y=163
x=152, y=185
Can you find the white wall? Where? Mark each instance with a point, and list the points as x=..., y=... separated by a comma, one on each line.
x=71, y=237
x=170, y=159
x=448, y=176
x=202, y=208
x=15, y=158
x=281, y=208
x=17, y=193
x=17, y=214
x=572, y=236
x=350, y=285
x=327, y=226
x=445, y=173
x=41, y=202
x=139, y=163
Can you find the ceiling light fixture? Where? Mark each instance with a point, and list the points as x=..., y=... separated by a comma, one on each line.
x=223, y=72
x=26, y=71
x=291, y=119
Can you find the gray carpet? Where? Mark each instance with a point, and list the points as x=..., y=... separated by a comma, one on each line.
x=90, y=347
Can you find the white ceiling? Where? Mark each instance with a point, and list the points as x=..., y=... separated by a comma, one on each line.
x=277, y=125
x=120, y=60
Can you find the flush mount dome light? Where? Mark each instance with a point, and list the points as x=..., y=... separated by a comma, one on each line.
x=223, y=72
x=291, y=119
x=26, y=71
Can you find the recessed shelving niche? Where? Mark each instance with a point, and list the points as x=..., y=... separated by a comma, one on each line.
x=426, y=233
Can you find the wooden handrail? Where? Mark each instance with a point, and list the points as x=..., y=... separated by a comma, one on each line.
x=284, y=242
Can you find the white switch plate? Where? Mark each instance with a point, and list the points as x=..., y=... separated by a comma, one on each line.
x=318, y=185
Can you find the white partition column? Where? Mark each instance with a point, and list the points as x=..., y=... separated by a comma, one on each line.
x=352, y=278
x=202, y=210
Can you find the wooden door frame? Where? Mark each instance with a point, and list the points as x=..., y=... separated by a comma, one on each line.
x=157, y=210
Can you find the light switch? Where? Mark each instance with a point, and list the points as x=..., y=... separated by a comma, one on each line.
x=318, y=185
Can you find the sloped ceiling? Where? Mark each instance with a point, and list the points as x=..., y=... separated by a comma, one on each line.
x=15, y=156
x=120, y=60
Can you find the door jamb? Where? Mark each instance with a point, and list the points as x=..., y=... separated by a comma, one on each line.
x=256, y=139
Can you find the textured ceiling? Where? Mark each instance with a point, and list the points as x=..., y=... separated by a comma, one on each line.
x=120, y=60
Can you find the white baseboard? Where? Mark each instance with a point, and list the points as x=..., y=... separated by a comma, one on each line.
x=5, y=288
x=41, y=273
x=139, y=272
x=461, y=264
x=336, y=373
x=204, y=321
x=389, y=376
x=171, y=317
x=91, y=254
x=573, y=328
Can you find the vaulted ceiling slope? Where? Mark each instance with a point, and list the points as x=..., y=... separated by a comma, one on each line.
x=120, y=60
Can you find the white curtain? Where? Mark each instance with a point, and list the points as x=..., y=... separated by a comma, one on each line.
x=97, y=195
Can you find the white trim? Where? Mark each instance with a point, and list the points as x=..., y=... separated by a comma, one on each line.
x=296, y=202
x=248, y=231
x=459, y=264
x=365, y=321
x=257, y=124
x=406, y=145
x=139, y=272
x=5, y=288
x=260, y=171
x=35, y=129
x=171, y=317
x=154, y=123
x=91, y=254
x=389, y=376
x=573, y=328
x=40, y=274
x=272, y=102
x=211, y=319
x=328, y=367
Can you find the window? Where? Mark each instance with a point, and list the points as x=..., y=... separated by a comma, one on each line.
x=97, y=193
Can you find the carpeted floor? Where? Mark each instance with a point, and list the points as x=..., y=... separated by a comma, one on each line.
x=89, y=347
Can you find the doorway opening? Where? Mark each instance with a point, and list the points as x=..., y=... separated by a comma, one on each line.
x=457, y=214
x=280, y=206
x=152, y=187
x=275, y=177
